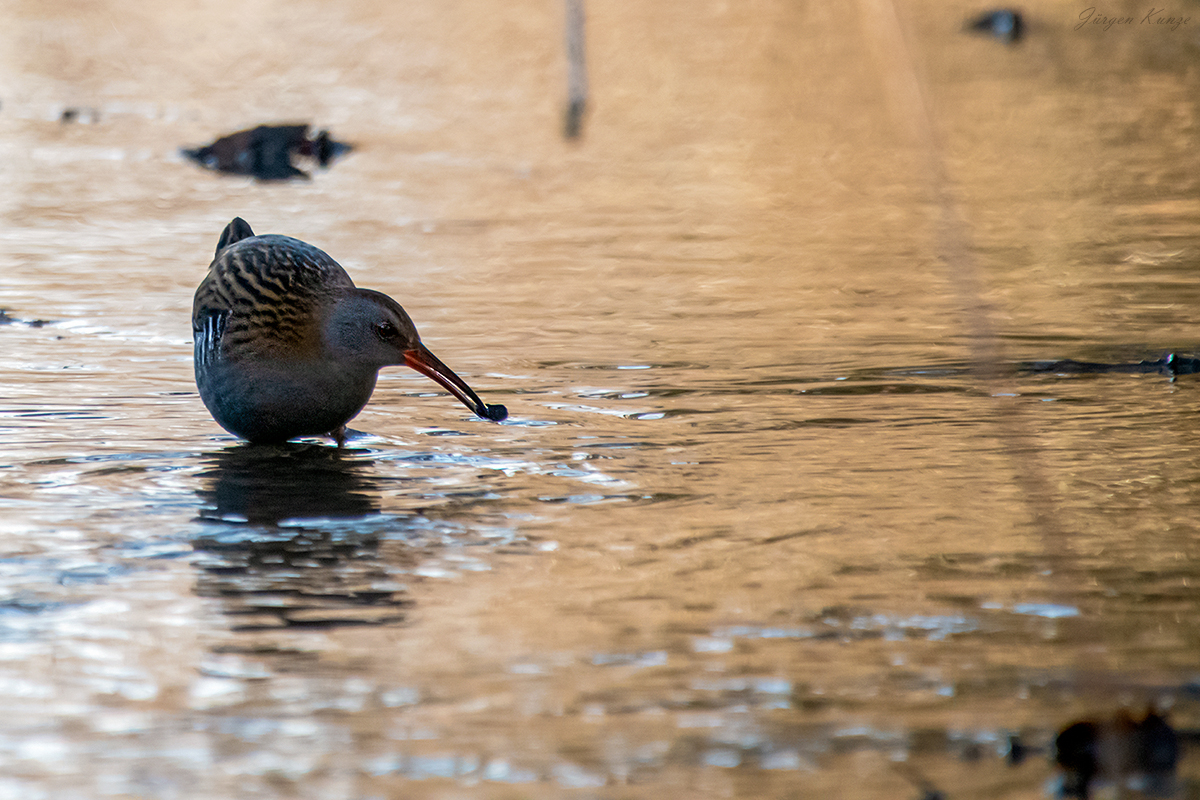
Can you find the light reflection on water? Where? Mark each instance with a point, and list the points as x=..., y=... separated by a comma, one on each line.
x=754, y=527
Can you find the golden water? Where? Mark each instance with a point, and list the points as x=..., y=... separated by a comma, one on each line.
x=754, y=527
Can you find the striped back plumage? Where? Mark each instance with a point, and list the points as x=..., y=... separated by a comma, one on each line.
x=263, y=295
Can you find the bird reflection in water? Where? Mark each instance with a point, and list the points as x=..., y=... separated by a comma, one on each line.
x=296, y=539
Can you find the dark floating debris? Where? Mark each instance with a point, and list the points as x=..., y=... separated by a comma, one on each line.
x=1016, y=752
x=1003, y=23
x=72, y=114
x=1121, y=750
x=266, y=152
x=1170, y=365
x=6, y=319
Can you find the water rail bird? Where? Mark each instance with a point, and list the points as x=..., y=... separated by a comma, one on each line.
x=287, y=346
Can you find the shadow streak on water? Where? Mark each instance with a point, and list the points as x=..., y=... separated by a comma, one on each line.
x=296, y=539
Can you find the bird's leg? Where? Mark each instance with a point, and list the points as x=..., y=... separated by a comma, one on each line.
x=339, y=436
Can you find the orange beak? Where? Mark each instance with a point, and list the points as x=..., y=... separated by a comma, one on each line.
x=426, y=363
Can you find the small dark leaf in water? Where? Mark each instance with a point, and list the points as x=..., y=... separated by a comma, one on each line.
x=266, y=152
x=1003, y=23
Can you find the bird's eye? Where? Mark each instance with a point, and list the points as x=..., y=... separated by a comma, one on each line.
x=386, y=331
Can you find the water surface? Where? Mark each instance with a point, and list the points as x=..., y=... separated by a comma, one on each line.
x=759, y=523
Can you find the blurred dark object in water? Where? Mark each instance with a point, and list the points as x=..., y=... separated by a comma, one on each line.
x=1170, y=365
x=5, y=319
x=573, y=123
x=577, y=84
x=1003, y=23
x=266, y=152
x=88, y=116
x=1139, y=753
x=1016, y=752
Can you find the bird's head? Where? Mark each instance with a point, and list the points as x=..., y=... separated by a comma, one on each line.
x=370, y=330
